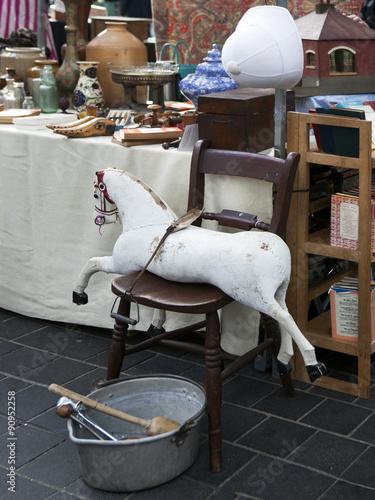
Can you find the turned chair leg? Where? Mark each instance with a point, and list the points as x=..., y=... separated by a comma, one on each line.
x=117, y=349
x=272, y=331
x=213, y=390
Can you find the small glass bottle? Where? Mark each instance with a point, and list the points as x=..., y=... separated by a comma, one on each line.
x=9, y=95
x=28, y=103
x=36, y=90
x=2, y=95
x=19, y=91
x=48, y=91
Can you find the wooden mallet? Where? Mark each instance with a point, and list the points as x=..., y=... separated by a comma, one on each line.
x=155, y=426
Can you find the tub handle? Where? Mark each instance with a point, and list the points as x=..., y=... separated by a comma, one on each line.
x=183, y=432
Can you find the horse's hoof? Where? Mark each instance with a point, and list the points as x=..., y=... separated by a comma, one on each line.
x=316, y=371
x=284, y=368
x=154, y=330
x=80, y=298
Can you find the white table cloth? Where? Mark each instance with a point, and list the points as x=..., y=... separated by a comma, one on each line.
x=47, y=229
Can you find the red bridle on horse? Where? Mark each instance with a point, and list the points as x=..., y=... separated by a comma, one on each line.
x=104, y=200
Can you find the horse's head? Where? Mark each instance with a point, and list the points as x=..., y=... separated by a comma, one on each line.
x=121, y=195
x=105, y=209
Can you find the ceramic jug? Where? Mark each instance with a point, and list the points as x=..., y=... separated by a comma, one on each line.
x=209, y=77
x=88, y=91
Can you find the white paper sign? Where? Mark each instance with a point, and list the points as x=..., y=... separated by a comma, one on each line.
x=349, y=213
x=189, y=138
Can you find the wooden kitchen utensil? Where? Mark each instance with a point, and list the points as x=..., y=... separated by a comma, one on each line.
x=154, y=427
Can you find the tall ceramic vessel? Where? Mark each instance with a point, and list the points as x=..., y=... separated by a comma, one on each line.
x=116, y=45
x=77, y=14
x=88, y=91
x=83, y=12
x=68, y=73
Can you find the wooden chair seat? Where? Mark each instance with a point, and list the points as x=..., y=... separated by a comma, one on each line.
x=156, y=292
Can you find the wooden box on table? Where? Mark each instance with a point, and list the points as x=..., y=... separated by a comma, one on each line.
x=239, y=120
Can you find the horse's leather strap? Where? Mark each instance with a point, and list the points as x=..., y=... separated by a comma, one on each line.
x=181, y=223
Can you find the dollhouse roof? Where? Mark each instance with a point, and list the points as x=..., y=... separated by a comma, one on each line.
x=332, y=25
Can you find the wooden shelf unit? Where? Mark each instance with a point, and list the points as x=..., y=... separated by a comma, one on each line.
x=301, y=244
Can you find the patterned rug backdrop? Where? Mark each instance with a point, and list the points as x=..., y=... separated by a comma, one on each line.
x=203, y=22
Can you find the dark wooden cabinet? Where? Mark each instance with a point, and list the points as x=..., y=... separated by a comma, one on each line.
x=239, y=120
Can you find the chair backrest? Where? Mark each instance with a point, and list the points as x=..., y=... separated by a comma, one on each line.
x=243, y=164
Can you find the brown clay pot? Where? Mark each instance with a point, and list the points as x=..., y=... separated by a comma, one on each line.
x=20, y=58
x=120, y=47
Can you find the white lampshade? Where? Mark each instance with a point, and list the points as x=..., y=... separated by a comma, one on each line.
x=265, y=50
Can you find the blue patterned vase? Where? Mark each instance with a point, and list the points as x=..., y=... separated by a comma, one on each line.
x=88, y=91
x=209, y=77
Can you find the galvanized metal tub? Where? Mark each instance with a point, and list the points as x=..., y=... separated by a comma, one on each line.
x=143, y=462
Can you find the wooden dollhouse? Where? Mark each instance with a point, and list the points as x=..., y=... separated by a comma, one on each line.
x=339, y=54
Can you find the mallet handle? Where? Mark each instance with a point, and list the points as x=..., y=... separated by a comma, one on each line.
x=95, y=405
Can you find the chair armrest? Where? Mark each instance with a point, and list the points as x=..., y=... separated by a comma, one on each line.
x=239, y=220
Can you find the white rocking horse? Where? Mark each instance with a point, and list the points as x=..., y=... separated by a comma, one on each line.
x=253, y=268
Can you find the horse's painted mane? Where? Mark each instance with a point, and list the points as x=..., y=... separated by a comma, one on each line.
x=158, y=200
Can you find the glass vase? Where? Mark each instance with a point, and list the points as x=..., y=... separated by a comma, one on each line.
x=48, y=91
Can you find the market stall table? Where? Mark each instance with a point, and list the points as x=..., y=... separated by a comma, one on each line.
x=47, y=225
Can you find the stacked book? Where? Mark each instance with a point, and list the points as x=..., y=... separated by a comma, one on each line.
x=146, y=135
x=344, y=310
x=345, y=219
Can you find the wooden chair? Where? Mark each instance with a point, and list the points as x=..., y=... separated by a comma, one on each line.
x=153, y=291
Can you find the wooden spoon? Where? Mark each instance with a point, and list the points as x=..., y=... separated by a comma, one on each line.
x=155, y=426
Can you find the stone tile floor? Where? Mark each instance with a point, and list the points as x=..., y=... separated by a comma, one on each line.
x=319, y=445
